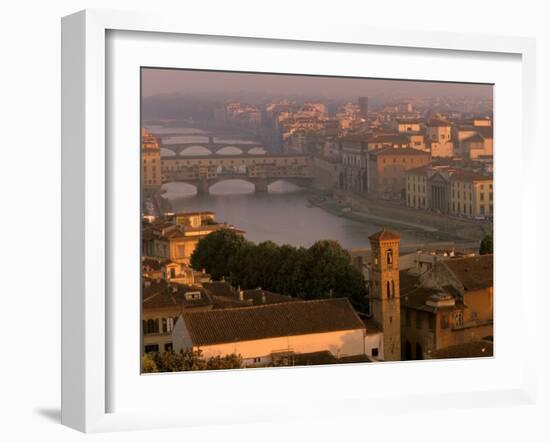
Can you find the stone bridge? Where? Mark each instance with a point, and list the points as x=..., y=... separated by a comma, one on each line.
x=260, y=170
x=211, y=145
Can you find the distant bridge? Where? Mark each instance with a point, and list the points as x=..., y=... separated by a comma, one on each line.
x=211, y=145
x=260, y=170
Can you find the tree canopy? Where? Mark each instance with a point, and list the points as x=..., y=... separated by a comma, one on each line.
x=321, y=271
x=160, y=362
x=486, y=245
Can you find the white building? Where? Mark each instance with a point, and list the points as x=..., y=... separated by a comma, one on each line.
x=260, y=333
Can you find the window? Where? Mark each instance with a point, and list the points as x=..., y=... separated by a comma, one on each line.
x=444, y=321
x=257, y=360
x=181, y=251
x=393, y=289
x=152, y=326
x=374, y=352
x=151, y=348
x=458, y=318
x=389, y=256
x=167, y=325
x=169, y=347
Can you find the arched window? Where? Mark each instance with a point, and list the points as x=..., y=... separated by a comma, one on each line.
x=393, y=289
x=388, y=288
x=389, y=256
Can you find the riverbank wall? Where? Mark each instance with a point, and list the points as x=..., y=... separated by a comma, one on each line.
x=390, y=214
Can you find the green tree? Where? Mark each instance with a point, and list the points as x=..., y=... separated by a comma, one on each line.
x=486, y=245
x=324, y=270
x=161, y=362
x=148, y=365
x=214, y=251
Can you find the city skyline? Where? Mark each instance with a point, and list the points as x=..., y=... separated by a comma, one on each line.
x=305, y=220
x=156, y=81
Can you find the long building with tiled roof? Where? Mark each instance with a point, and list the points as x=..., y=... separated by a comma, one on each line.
x=258, y=333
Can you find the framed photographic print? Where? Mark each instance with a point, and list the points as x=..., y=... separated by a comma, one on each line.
x=250, y=214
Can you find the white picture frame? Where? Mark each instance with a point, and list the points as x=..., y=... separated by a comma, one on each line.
x=86, y=216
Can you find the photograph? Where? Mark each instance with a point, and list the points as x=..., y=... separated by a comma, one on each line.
x=296, y=220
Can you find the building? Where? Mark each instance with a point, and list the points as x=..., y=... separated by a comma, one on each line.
x=161, y=306
x=384, y=291
x=416, y=184
x=263, y=334
x=407, y=125
x=449, y=189
x=151, y=176
x=387, y=167
x=471, y=194
x=439, y=140
x=449, y=305
x=175, y=237
x=354, y=163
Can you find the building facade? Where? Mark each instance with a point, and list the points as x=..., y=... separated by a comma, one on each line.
x=387, y=168
x=151, y=175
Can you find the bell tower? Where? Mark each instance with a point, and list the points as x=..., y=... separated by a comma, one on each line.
x=384, y=290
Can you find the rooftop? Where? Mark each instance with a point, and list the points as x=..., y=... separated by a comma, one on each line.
x=473, y=272
x=384, y=235
x=399, y=151
x=474, y=349
x=273, y=320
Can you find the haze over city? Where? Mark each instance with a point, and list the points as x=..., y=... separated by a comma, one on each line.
x=179, y=81
x=301, y=220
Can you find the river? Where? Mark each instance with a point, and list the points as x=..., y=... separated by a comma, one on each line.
x=283, y=215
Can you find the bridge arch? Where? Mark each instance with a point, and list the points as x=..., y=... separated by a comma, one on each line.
x=194, y=150
x=229, y=150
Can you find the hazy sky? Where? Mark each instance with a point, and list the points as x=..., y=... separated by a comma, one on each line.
x=161, y=81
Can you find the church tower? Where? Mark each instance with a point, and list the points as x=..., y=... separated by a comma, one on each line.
x=384, y=290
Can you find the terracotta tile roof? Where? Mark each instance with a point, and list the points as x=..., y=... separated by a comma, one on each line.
x=438, y=123
x=398, y=151
x=475, y=349
x=220, y=288
x=383, y=235
x=416, y=299
x=274, y=320
x=259, y=297
x=469, y=175
x=422, y=170
x=476, y=138
x=473, y=272
x=313, y=358
x=160, y=294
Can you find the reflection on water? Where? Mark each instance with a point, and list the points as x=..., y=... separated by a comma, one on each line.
x=283, y=215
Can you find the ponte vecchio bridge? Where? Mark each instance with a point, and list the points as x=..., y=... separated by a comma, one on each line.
x=260, y=170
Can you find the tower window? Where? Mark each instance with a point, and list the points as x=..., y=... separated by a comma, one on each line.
x=388, y=289
x=389, y=256
x=393, y=289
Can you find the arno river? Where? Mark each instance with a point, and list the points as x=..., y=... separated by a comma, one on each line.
x=283, y=215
